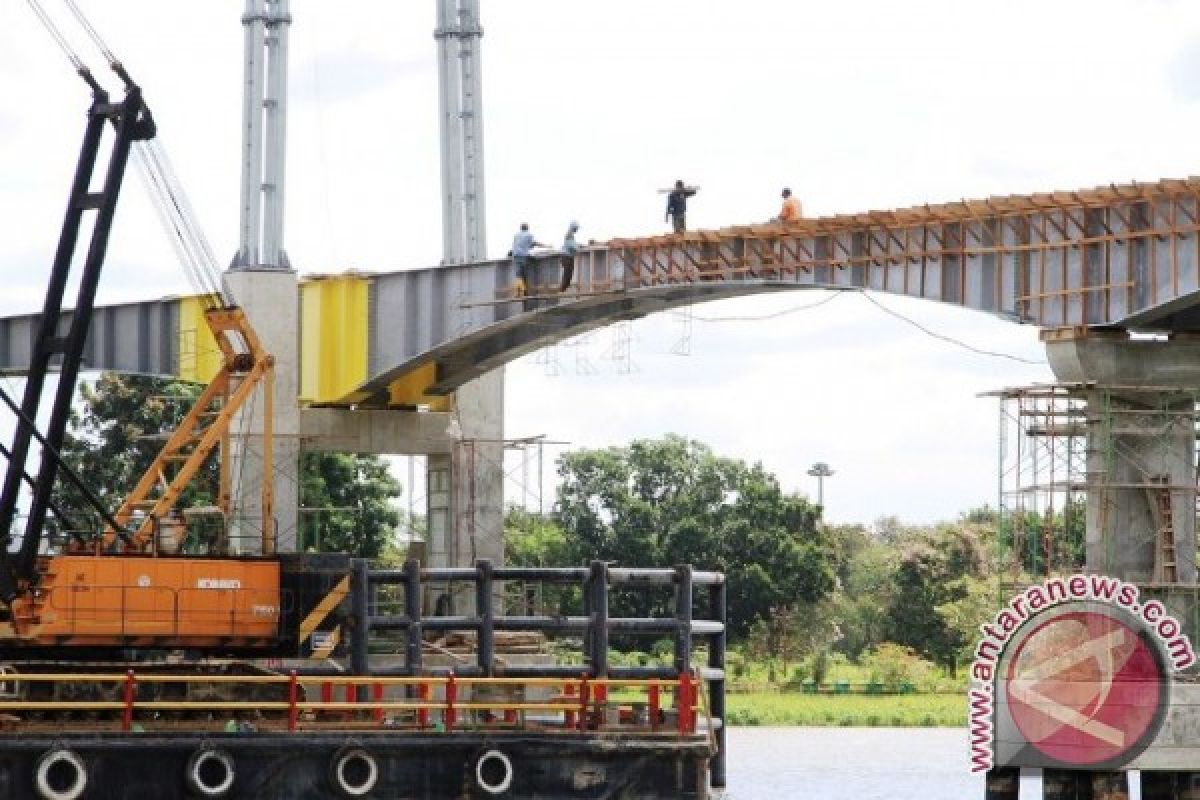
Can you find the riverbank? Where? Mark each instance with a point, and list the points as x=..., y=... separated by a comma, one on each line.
x=867, y=711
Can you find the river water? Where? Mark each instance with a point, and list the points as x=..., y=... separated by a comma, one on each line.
x=855, y=764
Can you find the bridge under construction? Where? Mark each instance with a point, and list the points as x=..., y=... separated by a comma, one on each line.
x=411, y=363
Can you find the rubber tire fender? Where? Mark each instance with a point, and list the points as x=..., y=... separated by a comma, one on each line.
x=494, y=789
x=337, y=772
x=197, y=784
x=41, y=775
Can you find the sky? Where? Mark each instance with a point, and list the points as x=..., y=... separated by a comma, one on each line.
x=589, y=108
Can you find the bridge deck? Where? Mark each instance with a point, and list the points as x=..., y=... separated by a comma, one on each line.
x=1116, y=256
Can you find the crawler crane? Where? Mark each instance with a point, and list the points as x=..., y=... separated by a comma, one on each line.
x=124, y=592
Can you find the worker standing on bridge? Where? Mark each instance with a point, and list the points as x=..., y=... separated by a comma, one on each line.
x=569, y=249
x=677, y=205
x=791, y=208
x=523, y=244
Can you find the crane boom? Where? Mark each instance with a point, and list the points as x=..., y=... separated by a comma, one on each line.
x=131, y=121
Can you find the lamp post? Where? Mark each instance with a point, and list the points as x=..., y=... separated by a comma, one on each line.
x=820, y=471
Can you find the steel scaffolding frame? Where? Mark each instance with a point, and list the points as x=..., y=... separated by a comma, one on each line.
x=1058, y=445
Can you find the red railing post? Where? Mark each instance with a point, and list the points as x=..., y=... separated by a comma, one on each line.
x=601, y=711
x=569, y=714
x=583, y=702
x=377, y=697
x=130, y=694
x=351, y=694
x=451, y=698
x=510, y=715
x=326, y=696
x=655, y=705
x=423, y=697
x=684, y=702
x=293, y=697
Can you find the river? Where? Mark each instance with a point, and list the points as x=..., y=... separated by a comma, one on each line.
x=855, y=764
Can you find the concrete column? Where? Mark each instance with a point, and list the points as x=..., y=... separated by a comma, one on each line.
x=478, y=471
x=1140, y=447
x=270, y=299
x=465, y=489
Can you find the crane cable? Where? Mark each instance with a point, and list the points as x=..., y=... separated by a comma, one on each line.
x=174, y=211
x=57, y=35
x=172, y=225
x=91, y=31
x=179, y=220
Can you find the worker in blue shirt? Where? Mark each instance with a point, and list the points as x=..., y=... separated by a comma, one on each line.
x=677, y=205
x=523, y=244
x=569, y=249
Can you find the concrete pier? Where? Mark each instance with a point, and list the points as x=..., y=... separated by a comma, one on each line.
x=268, y=298
x=1140, y=449
x=465, y=487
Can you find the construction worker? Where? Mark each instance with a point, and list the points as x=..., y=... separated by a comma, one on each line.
x=569, y=249
x=791, y=208
x=523, y=244
x=677, y=205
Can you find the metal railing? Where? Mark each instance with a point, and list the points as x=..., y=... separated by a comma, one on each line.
x=595, y=625
x=135, y=702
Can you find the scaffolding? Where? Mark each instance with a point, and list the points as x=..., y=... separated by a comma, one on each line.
x=1101, y=479
x=1077, y=460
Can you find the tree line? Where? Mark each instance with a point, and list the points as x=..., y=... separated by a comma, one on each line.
x=797, y=587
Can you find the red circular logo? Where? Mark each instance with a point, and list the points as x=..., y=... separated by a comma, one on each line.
x=1084, y=688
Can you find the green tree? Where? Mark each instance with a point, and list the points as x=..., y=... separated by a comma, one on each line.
x=866, y=585
x=975, y=602
x=1043, y=543
x=533, y=540
x=359, y=489
x=672, y=501
x=116, y=429
x=122, y=422
x=931, y=565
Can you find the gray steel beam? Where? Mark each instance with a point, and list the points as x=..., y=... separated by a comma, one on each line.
x=460, y=318
x=138, y=338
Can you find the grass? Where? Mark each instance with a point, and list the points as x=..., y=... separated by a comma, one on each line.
x=911, y=710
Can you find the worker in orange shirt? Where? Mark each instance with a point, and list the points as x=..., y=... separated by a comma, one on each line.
x=791, y=208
